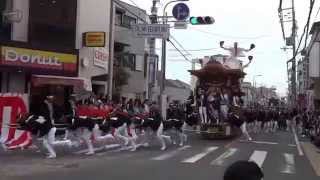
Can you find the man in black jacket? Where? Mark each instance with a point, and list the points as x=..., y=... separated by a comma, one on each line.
x=46, y=109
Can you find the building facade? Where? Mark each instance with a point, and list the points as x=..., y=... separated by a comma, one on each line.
x=248, y=98
x=313, y=56
x=303, y=82
x=42, y=48
x=59, y=47
x=131, y=52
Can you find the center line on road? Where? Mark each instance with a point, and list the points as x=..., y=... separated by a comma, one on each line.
x=297, y=141
x=199, y=156
x=221, y=159
x=170, y=154
x=258, y=157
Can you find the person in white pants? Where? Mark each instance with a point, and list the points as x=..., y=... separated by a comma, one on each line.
x=203, y=106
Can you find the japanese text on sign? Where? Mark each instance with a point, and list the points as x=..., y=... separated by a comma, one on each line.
x=152, y=30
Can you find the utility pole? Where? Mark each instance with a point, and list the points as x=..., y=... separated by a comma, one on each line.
x=111, y=51
x=294, y=74
x=152, y=52
x=290, y=41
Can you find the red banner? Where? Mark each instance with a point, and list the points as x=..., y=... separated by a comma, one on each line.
x=10, y=108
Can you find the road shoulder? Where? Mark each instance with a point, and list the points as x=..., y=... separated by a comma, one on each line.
x=313, y=154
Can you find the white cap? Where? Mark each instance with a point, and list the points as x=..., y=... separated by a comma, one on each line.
x=50, y=97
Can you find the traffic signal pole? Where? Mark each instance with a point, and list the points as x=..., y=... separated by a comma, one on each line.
x=294, y=29
x=152, y=52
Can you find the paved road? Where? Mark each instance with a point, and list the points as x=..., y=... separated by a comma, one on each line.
x=276, y=153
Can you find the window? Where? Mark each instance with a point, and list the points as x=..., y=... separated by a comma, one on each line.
x=118, y=20
x=53, y=22
x=129, y=60
x=139, y=63
x=5, y=27
x=128, y=21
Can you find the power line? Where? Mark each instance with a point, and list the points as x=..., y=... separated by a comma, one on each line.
x=316, y=14
x=308, y=23
x=133, y=3
x=180, y=45
x=305, y=29
x=228, y=36
x=119, y=3
x=179, y=51
x=194, y=50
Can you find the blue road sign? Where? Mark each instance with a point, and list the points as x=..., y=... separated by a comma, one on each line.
x=180, y=11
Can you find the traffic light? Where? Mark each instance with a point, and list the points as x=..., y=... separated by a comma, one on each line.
x=201, y=20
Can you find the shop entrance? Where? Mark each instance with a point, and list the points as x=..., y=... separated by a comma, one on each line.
x=61, y=95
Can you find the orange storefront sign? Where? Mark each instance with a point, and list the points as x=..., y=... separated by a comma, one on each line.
x=38, y=60
x=94, y=39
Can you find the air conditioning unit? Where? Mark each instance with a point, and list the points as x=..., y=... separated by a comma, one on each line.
x=13, y=16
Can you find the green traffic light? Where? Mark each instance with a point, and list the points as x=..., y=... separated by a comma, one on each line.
x=194, y=20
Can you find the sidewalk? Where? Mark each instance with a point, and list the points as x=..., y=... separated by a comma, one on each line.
x=313, y=154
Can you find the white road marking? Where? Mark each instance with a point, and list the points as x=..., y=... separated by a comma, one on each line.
x=199, y=156
x=125, y=148
x=111, y=146
x=170, y=154
x=106, y=147
x=290, y=164
x=86, y=150
x=292, y=145
x=258, y=157
x=221, y=159
x=260, y=142
x=297, y=141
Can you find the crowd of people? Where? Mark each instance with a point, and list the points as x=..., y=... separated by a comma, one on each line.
x=90, y=107
x=256, y=119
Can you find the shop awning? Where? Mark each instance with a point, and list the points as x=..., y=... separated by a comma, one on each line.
x=78, y=83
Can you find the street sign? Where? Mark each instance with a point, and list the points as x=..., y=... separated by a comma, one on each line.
x=180, y=11
x=161, y=31
x=180, y=25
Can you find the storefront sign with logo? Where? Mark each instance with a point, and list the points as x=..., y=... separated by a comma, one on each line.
x=100, y=57
x=11, y=105
x=94, y=39
x=38, y=60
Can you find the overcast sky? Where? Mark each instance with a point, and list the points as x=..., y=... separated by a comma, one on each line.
x=245, y=21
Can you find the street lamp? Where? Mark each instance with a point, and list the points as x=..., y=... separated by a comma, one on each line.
x=163, y=60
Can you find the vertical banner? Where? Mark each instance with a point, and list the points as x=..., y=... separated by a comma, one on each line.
x=11, y=105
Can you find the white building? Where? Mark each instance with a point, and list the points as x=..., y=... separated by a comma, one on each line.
x=131, y=52
x=313, y=54
x=247, y=88
x=302, y=76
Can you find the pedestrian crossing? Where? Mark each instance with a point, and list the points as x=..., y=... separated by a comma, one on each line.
x=170, y=154
x=213, y=156
x=225, y=156
x=199, y=156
